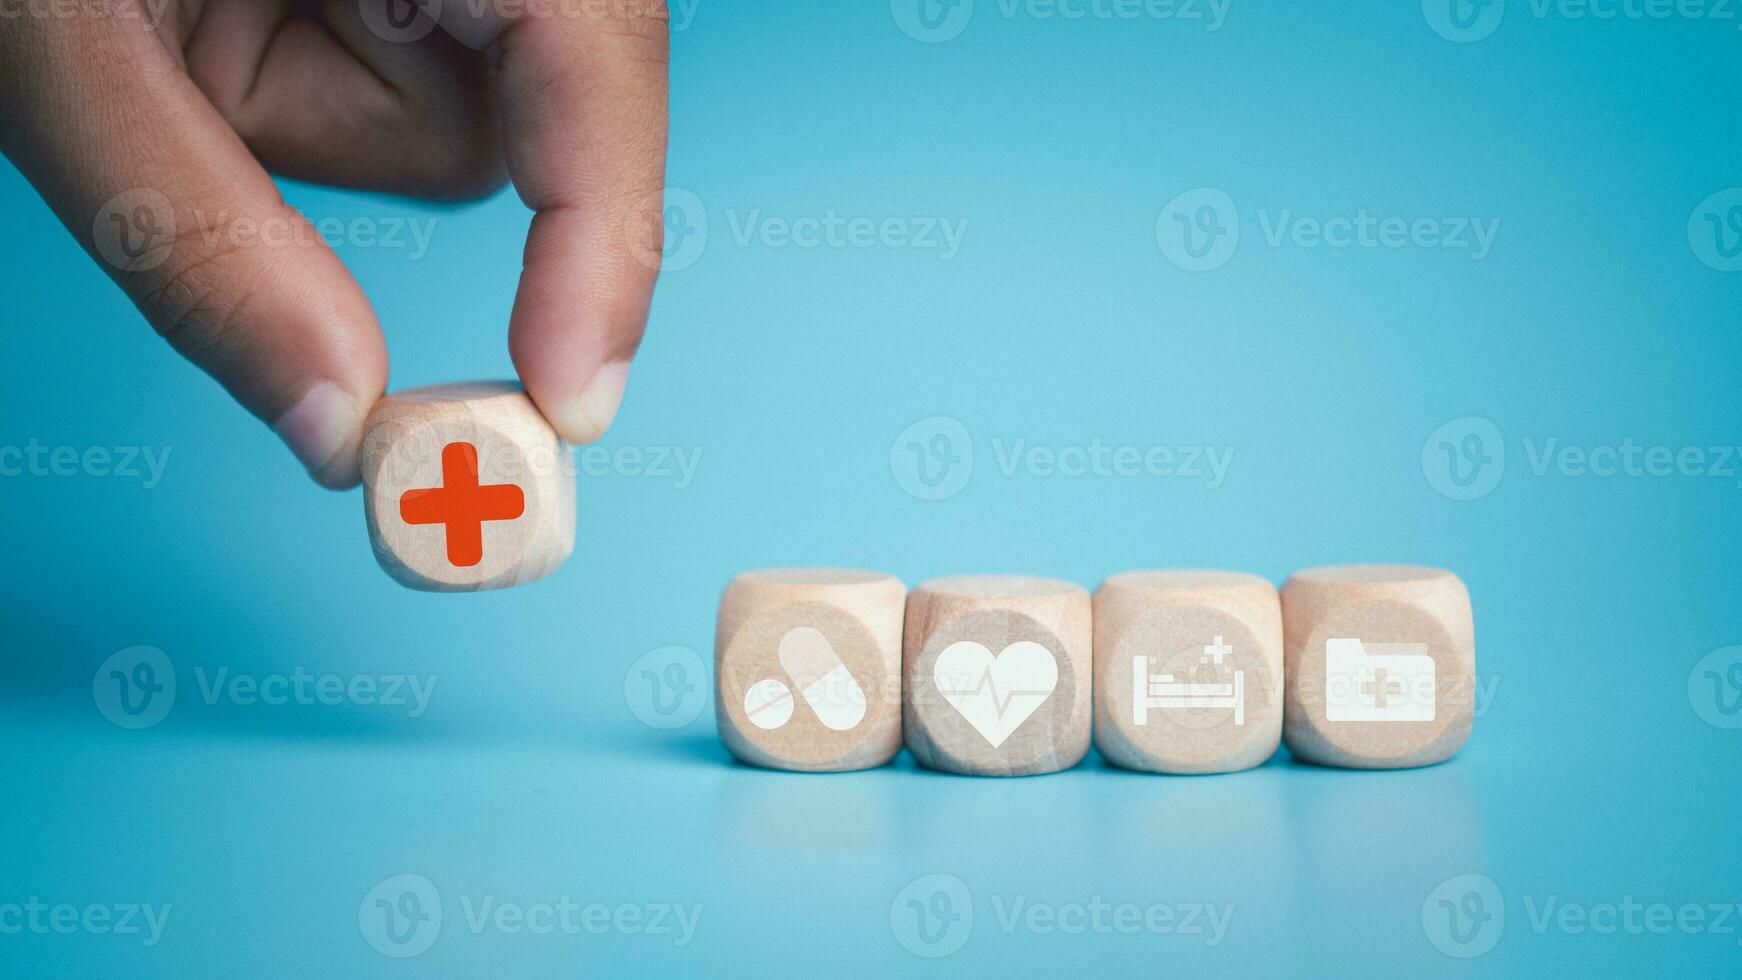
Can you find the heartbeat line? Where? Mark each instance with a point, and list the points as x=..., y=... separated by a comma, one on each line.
x=985, y=685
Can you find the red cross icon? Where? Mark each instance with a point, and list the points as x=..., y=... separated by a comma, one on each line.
x=461, y=505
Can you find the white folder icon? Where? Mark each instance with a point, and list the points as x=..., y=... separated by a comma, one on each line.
x=1378, y=681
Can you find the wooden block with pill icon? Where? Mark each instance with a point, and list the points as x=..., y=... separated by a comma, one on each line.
x=466, y=487
x=996, y=675
x=1381, y=665
x=1188, y=671
x=807, y=668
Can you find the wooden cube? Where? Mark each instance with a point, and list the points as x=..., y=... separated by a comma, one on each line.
x=996, y=671
x=466, y=487
x=807, y=668
x=1188, y=671
x=1381, y=665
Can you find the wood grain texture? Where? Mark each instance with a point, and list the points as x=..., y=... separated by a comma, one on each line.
x=405, y=449
x=1182, y=717
x=1400, y=614
x=807, y=668
x=997, y=675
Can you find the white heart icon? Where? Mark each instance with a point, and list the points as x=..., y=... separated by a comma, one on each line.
x=996, y=694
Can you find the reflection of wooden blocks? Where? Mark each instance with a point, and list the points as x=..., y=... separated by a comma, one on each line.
x=1381, y=665
x=807, y=668
x=466, y=487
x=1188, y=671
x=996, y=671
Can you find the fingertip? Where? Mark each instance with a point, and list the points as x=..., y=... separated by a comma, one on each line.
x=324, y=430
x=584, y=416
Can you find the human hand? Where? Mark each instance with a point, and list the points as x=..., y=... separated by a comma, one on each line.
x=129, y=125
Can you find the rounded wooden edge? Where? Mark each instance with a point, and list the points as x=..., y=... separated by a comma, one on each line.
x=1184, y=580
x=1377, y=574
x=816, y=576
x=995, y=586
x=455, y=391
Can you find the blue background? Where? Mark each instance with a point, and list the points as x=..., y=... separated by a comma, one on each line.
x=1590, y=777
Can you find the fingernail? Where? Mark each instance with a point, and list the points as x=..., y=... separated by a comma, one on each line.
x=320, y=429
x=586, y=416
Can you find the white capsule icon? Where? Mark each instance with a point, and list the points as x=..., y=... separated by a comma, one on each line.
x=768, y=704
x=822, y=679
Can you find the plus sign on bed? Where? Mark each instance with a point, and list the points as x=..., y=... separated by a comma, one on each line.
x=466, y=487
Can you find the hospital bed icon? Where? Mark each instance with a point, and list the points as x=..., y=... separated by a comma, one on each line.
x=1163, y=691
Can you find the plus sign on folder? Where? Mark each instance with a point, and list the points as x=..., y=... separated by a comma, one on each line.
x=1378, y=681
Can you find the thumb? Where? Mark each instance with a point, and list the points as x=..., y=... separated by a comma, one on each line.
x=145, y=172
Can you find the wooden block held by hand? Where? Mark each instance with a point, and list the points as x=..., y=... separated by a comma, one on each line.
x=1381, y=665
x=996, y=672
x=1188, y=671
x=807, y=668
x=466, y=487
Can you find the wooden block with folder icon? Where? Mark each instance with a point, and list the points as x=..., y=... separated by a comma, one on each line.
x=1381, y=665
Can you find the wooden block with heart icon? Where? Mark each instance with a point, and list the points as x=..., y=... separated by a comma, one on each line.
x=466, y=487
x=1188, y=671
x=1381, y=664
x=996, y=672
x=807, y=668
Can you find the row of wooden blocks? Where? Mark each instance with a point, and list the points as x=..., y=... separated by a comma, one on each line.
x=1359, y=666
